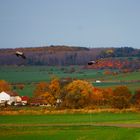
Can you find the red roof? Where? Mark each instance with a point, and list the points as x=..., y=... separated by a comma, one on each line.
x=24, y=98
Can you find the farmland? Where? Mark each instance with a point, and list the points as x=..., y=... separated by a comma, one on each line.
x=70, y=133
x=40, y=73
x=70, y=126
x=30, y=75
x=27, y=74
x=66, y=125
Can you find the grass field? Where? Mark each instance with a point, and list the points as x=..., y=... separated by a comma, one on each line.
x=35, y=74
x=71, y=118
x=24, y=127
x=68, y=126
x=70, y=133
x=28, y=74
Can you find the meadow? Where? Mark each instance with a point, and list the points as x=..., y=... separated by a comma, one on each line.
x=70, y=126
x=70, y=133
x=30, y=75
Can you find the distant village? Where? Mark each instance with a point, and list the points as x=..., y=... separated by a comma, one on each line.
x=12, y=99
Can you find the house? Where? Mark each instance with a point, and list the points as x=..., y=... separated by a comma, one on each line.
x=24, y=100
x=13, y=96
x=18, y=100
x=10, y=98
x=4, y=98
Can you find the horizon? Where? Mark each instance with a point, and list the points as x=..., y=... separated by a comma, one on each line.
x=91, y=23
x=72, y=46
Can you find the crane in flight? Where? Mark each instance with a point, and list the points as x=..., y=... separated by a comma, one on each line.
x=20, y=54
x=106, y=54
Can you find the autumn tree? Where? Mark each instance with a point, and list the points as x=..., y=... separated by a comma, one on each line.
x=101, y=96
x=41, y=88
x=48, y=98
x=136, y=98
x=121, y=97
x=48, y=92
x=54, y=88
x=4, y=86
x=78, y=94
x=97, y=96
x=107, y=94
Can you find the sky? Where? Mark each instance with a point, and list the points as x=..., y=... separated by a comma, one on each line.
x=85, y=23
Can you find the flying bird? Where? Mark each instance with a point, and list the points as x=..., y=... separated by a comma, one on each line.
x=91, y=62
x=21, y=54
x=104, y=54
x=94, y=61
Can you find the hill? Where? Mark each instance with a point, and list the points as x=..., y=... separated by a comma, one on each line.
x=64, y=55
x=49, y=55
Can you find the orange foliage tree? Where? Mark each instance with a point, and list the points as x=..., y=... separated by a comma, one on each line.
x=121, y=97
x=101, y=96
x=54, y=88
x=41, y=88
x=107, y=96
x=97, y=96
x=48, y=98
x=4, y=86
x=48, y=92
x=136, y=98
x=78, y=94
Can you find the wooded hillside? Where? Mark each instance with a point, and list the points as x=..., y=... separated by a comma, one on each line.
x=64, y=55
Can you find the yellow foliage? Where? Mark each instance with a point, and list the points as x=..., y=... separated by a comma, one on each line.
x=48, y=98
x=78, y=94
x=41, y=88
x=54, y=88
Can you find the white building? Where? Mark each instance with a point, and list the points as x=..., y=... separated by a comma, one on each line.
x=9, y=98
x=4, y=97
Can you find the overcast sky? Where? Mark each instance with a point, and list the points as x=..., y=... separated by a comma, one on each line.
x=87, y=23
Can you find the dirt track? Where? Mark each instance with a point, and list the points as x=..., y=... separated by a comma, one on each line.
x=128, y=125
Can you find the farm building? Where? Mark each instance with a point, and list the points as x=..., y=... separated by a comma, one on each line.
x=98, y=81
x=4, y=97
x=12, y=98
x=24, y=100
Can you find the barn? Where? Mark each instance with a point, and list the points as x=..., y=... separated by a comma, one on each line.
x=4, y=97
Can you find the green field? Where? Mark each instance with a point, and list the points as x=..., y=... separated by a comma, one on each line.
x=124, y=76
x=69, y=127
x=71, y=118
x=34, y=74
x=69, y=133
x=27, y=74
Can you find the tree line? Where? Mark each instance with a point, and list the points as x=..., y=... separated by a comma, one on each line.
x=82, y=94
x=75, y=94
x=63, y=55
